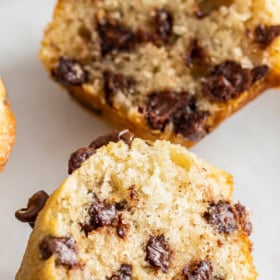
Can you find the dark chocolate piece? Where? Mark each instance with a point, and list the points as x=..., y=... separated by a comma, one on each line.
x=70, y=72
x=221, y=216
x=64, y=249
x=35, y=204
x=191, y=124
x=243, y=218
x=161, y=107
x=158, y=253
x=196, y=54
x=265, y=35
x=227, y=81
x=78, y=157
x=101, y=214
x=116, y=136
x=115, y=37
x=259, y=72
x=163, y=21
x=202, y=270
x=177, y=107
x=124, y=273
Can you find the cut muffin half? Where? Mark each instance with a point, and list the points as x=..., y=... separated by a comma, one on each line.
x=169, y=70
x=133, y=209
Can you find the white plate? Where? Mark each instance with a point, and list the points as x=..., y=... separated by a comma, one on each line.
x=50, y=126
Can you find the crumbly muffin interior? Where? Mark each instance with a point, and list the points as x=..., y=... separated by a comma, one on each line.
x=145, y=211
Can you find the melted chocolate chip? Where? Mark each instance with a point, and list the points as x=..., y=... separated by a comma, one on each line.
x=191, y=124
x=101, y=215
x=115, y=37
x=163, y=22
x=70, y=72
x=221, y=216
x=202, y=270
x=227, y=81
x=78, y=157
x=265, y=35
x=176, y=107
x=64, y=249
x=196, y=54
x=243, y=218
x=162, y=105
x=259, y=72
x=35, y=204
x=124, y=273
x=125, y=135
x=113, y=83
x=158, y=253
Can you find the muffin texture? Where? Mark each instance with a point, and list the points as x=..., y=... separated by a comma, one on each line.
x=7, y=127
x=170, y=70
x=139, y=210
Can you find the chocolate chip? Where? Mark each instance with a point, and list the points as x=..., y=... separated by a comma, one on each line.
x=227, y=81
x=177, y=107
x=121, y=228
x=259, y=72
x=70, y=72
x=115, y=37
x=125, y=135
x=243, y=218
x=158, y=253
x=265, y=35
x=221, y=216
x=163, y=21
x=122, y=205
x=124, y=273
x=64, y=249
x=162, y=105
x=191, y=124
x=35, y=204
x=78, y=157
x=115, y=82
x=101, y=214
x=202, y=270
x=195, y=55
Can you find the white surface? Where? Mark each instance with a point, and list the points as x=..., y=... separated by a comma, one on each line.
x=51, y=126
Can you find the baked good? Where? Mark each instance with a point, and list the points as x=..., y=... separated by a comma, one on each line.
x=170, y=70
x=133, y=209
x=7, y=127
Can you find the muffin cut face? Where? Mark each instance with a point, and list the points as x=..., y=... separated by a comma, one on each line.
x=170, y=70
x=7, y=127
x=138, y=210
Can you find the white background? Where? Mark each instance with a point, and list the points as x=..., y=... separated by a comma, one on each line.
x=50, y=126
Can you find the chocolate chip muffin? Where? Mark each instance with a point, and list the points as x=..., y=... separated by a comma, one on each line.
x=133, y=209
x=170, y=70
x=7, y=127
